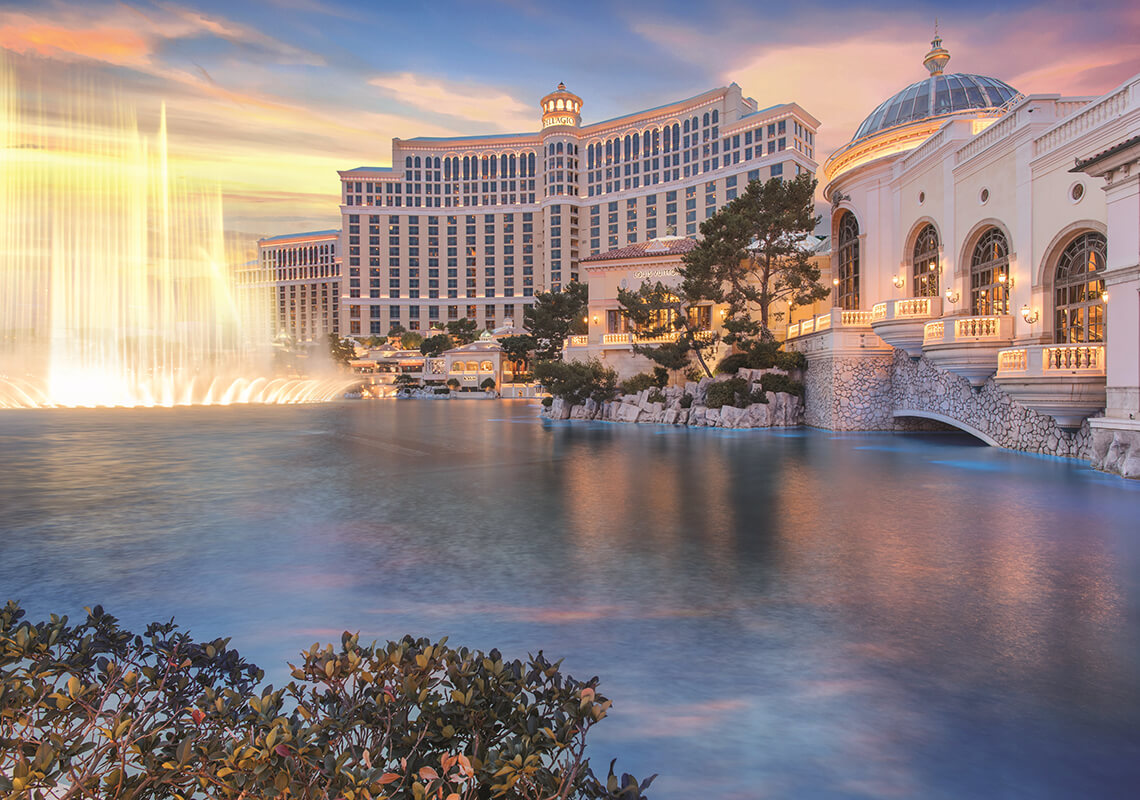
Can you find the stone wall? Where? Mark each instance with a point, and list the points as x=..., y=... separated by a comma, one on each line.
x=780, y=410
x=849, y=393
x=1116, y=451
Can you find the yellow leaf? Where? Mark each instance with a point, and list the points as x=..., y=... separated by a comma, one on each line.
x=73, y=686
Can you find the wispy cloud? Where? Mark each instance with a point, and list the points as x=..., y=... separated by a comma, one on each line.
x=473, y=103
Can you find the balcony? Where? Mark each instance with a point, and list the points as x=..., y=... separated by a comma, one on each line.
x=967, y=346
x=836, y=318
x=1067, y=382
x=578, y=341
x=902, y=323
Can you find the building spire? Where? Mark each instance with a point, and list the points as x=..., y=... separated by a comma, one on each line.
x=936, y=60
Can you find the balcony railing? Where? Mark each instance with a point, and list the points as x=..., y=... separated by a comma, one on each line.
x=1073, y=358
x=934, y=331
x=914, y=307
x=1016, y=360
x=835, y=318
x=878, y=312
x=977, y=328
x=617, y=338
x=578, y=341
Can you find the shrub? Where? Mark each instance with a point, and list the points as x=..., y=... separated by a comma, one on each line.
x=686, y=400
x=488, y=384
x=577, y=381
x=453, y=383
x=441, y=390
x=732, y=363
x=790, y=361
x=655, y=396
x=660, y=377
x=693, y=373
x=636, y=383
x=548, y=401
x=775, y=382
x=92, y=710
x=758, y=396
x=725, y=393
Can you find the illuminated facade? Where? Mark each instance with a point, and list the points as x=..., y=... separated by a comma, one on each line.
x=302, y=273
x=473, y=227
x=975, y=265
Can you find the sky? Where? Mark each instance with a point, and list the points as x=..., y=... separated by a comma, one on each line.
x=269, y=99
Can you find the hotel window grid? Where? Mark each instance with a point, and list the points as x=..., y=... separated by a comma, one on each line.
x=847, y=296
x=924, y=264
x=1078, y=289
x=989, y=275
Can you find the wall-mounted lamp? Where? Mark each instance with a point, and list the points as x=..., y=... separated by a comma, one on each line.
x=1005, y=280
x=1029, y=315
x=952, y=296
x=595, y=319
x=1104, y=296
x=586, y=320
x=723, y=313
x=899, y=281
x=835, y=282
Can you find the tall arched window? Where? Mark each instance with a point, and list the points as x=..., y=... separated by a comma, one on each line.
x=989, y=274
x=924, y=264
x=1078, y=287
x=847, y=293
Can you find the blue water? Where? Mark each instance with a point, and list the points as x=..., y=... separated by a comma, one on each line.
x=785, y=614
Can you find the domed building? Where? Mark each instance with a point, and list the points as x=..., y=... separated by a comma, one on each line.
x=985, y=247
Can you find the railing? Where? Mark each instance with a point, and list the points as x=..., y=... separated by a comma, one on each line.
x=925, y=149
x=933, y=331
x=793, y=330
x=1073, y=357
x=977, y=327
x=856, y=318
x=1094, y=114
x=823, y=322
x=579, y=341
x=807, y=326
x=878, y=312
x=1013, y=360
x=913, y=307
x=617, y=338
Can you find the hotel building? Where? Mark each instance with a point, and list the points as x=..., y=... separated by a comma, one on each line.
x=986, y=247
x=475, y=226
x=302, y=273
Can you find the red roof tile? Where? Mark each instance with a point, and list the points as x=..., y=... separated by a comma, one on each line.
x=654, y=247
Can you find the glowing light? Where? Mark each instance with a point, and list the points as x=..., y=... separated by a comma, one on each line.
x=114, y=286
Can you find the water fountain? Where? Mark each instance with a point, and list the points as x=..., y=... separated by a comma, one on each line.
x=114, y=284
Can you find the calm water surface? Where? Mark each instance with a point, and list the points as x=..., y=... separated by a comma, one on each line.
x=775, y=614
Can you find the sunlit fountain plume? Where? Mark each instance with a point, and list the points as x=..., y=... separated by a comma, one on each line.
x=114, y=285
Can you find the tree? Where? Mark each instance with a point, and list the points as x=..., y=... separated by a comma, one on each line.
x=752, y=254
x=517, y=350
x=673, y=314
x=463, y=331
x=488, y=384
x=433, y=346
x=396, y=330
x=577, y=381
x=341, y=350
x=410, y=340
x=92, y=710
x=554, y=316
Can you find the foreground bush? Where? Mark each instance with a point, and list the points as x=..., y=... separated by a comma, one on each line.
x=94, y=711
x=761, y=355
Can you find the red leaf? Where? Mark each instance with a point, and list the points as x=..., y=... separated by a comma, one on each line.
x=388, y=777
x=282, y=750
x=199, y=715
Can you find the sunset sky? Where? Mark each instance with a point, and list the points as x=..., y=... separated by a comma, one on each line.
x=269, y=99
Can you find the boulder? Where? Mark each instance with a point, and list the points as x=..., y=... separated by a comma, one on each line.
x=629, y=412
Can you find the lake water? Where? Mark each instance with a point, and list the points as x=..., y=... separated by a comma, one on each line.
x=776, y=614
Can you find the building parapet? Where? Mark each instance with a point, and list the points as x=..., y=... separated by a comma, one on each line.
x=1093, y=115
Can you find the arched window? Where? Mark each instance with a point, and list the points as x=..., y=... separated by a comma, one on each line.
x=924, y=263
x=457, y=366
x=716, y=116
x=466, y=168
x=989, y=274
x=706, y=119
x=686, y=126
x=472, y=366
x=530, y=165
x=417, y=162
x=1078, y=287
x=486, y=366
x=848, y=289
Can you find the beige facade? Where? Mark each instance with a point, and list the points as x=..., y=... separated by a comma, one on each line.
x=475, y=226
x=301, y=274
x=964, y=236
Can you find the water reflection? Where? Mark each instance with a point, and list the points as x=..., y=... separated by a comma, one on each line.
x=790, y=614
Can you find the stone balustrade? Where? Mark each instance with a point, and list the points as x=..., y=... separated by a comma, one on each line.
x=835, y=318
x=878, y=312
x=578, y=341
x=617, y=338
x=968, y=346
x=1067, y=382
x=934, y=331
x=1074, y=358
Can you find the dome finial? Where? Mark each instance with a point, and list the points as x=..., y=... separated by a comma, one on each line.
x=938, y=56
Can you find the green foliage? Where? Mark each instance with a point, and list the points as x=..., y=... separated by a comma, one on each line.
x=692, y=373
x=517, y=350
x=658, y=311
x=554, y=316
x=636, y=383
x=340, y=350
x=726, y=393
x=655, y=395
x=776, y=382
x=660, y=377
x=548, y=401
x=411, y=340
x=453, y=383
x=396, y=330
x=462, y=331
x=686, y=400
x=733, y=363
x=791, y=361
x=441, y=390
x=433, y=346
x=751, y=254
x=488, y=384
x=94, y=711
x=577, y=381
x=406, y=379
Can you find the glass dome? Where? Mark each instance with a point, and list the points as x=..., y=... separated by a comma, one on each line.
x=937, y=96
